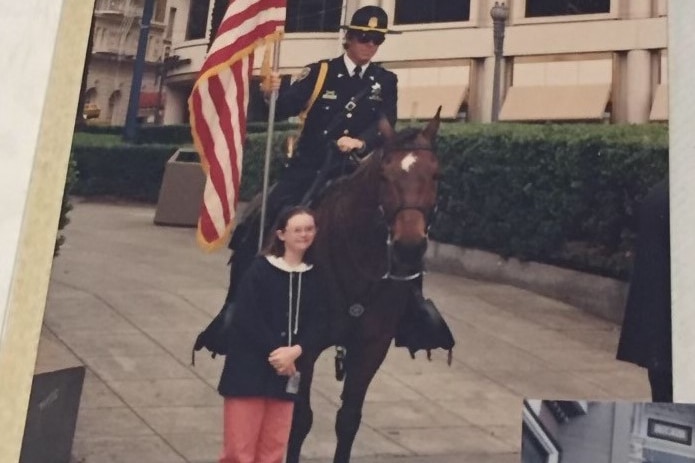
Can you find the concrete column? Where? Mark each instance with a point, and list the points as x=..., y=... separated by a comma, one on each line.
x=661, y=8
x=174, y=110
x=619, y=88
x=485, y=80
x=639, y=86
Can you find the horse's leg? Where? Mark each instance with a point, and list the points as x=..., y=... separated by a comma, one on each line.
x=303, y=416
x=362, y=363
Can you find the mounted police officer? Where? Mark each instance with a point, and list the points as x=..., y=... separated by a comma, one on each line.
x=340, y=102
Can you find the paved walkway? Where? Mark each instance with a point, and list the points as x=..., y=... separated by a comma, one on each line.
x=127, y=299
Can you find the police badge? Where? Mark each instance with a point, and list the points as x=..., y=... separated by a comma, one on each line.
x=376, y=92
x=302, y=74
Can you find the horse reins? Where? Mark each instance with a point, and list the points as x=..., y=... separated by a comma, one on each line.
x=429, y=218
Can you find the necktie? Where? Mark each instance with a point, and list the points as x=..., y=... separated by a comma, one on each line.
x=356, y=75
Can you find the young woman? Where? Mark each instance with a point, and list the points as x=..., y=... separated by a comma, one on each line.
x=278, y=315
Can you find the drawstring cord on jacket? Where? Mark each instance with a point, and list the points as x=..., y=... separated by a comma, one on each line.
x=290, y=332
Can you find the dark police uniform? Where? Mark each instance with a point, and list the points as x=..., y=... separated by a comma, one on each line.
x=338, y=88
x=326, y=122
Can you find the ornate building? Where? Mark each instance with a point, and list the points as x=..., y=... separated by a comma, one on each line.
x=114, y=46
x=562, y=60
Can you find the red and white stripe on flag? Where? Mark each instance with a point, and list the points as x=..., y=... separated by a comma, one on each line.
x=218, y=105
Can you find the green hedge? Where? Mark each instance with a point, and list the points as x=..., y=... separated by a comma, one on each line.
x=66, y=205
x=135, y=172
x=175, y=134
x=561, y=194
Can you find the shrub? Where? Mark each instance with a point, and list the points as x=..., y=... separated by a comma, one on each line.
x=66, y=206
x=135, y=172
x=558, y=194
x=175, y=134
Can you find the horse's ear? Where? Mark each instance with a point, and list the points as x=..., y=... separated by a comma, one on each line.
x=433, y=126
x=386, y=131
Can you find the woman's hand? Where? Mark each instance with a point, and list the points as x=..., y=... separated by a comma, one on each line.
x=282, y=359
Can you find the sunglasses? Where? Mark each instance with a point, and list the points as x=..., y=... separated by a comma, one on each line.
x=377, y=38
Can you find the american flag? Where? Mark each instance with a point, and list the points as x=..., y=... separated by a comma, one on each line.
x=218, y=105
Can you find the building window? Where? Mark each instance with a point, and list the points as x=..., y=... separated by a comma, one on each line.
x=313, y=15
x=159, y=10
x=536, y=8
x=170, y=25
x=197, y=19
x=431, y=11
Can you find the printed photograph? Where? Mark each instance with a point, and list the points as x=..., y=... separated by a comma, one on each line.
x=339, y=230
x=606, y=432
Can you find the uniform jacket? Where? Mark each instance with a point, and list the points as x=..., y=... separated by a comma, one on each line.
x=263, y=320
x=645, y=338
x=337, y=90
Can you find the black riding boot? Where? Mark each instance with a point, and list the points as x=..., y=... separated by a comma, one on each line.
x=422, y=326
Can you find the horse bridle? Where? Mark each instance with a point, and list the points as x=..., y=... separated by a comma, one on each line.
x=427, y=214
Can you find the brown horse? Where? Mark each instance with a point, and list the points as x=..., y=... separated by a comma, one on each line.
x=372, y=239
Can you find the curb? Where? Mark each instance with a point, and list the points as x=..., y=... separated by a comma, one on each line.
x=601, y=296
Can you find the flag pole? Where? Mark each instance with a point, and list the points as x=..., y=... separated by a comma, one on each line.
x=269, y=140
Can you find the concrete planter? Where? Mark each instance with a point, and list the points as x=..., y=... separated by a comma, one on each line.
x=181, y=193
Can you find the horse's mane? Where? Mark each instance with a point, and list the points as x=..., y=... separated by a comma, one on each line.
x=341, y=184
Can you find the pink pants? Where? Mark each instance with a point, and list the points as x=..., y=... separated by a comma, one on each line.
x=256, y=429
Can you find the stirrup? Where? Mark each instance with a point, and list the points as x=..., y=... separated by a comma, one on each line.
x=340, y=352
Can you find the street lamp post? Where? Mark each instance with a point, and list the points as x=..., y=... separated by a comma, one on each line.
x=499, y=14
x=138, y=69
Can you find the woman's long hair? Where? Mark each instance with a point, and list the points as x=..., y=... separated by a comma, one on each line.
x=276, y=246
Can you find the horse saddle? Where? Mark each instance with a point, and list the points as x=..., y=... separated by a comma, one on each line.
x=423, y=328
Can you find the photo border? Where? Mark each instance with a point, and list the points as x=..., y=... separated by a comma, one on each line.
x=681, y=193
x=26, y=300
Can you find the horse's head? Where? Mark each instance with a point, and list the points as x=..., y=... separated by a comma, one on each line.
x=408, y=194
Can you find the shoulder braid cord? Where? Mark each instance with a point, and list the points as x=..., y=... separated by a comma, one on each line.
x=323, y=70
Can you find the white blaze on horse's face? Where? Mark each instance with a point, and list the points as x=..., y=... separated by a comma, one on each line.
x=408, y=161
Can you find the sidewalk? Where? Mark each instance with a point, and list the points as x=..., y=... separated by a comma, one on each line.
x=127, y=299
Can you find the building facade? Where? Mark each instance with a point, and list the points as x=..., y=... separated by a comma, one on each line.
x=607, y=432
x=116, y=33
x=562, y=60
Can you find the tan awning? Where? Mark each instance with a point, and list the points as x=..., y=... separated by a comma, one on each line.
x=660, y=104
x=422, y=102
x=554, y=103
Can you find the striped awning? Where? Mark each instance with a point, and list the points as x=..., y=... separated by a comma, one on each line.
x=556, y=103
x=421, y=102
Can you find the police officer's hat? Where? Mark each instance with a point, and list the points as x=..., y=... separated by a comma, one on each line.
x=370, y=19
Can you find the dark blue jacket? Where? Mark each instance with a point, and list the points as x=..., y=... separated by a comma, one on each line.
x=337, y=90
x=261, y=323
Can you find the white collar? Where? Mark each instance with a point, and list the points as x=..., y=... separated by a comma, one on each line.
x=351, y=66
x=280, y=263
